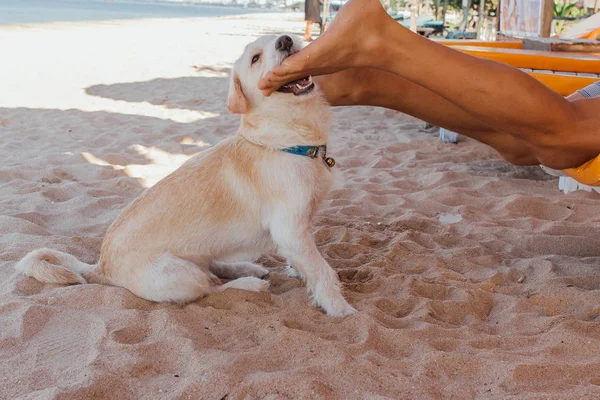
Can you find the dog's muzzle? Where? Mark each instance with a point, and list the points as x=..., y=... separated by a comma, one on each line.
x=305, y=85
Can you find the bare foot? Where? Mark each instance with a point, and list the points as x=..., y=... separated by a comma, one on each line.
x=350, y=41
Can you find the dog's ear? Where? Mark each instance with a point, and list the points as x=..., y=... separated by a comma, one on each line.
x=236, y=102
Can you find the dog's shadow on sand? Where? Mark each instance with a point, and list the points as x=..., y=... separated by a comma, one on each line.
x=168, y=120
x=205, y=92
x=139, y=133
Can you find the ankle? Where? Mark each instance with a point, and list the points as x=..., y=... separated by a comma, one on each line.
x=376, y=45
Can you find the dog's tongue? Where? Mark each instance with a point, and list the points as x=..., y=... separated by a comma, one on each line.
x=298, y=86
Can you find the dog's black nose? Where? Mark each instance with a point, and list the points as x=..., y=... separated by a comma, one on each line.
x=284, y=43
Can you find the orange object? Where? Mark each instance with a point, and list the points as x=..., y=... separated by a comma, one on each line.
x=535, y=59
x=594, y=35
x=588, y=173
x=563, y=84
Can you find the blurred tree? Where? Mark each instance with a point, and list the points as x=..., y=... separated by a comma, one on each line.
x=566, y=9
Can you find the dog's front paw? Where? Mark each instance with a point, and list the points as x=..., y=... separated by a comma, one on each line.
x=338, y=308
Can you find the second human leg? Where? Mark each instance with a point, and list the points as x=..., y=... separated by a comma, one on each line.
x=371, y=87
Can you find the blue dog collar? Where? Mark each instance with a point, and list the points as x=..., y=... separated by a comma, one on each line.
x=311, y=152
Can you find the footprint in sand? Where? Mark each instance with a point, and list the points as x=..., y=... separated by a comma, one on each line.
x=396, y=308
x=358, y=280
x=428, y=290
x=130, y=334
x=57, y=195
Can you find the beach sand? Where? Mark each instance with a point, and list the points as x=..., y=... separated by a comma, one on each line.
x=473, y=278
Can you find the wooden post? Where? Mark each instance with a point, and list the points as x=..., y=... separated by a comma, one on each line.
x=546, y=18
x=498, y=11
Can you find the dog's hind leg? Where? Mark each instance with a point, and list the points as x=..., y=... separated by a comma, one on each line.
x=239, y=269
x=169, y=278
x=174, y=279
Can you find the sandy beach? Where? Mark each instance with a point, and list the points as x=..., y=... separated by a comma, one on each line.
x=473, y=279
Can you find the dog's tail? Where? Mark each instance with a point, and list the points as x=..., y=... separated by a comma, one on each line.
x=52, y=266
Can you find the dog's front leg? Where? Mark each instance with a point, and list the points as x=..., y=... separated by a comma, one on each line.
x=296, y=243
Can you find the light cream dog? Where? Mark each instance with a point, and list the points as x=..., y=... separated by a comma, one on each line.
x=245, y=197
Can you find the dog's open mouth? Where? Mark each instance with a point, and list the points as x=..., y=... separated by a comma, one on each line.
x=298, y=87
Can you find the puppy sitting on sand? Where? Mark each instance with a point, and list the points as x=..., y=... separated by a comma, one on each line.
x=251, y=194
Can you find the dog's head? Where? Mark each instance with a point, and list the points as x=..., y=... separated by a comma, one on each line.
x=258, y=59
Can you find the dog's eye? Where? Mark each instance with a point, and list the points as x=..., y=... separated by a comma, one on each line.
x=255, y=59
